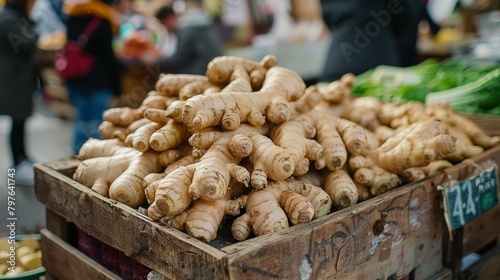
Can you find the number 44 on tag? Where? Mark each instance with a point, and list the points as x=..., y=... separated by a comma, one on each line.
x=469, y=199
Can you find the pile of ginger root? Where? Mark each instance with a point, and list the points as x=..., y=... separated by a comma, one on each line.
x=250, y=140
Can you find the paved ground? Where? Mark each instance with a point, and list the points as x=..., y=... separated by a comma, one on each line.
x=48, y=140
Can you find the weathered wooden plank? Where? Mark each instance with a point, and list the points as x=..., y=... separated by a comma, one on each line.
x=65, y=167
x=481, y=231
x=431, y=268
x=453, y=248
x=486, y=268
x=65, y=262
x=56, y=224
x=166, y=250
x=488, y=123
x=387, y=236
x=445, y=274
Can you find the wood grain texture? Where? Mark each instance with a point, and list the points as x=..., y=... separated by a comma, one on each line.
x=481, y=231
x=65, y=262
x=488, y=123
x=445, y=274
x=56, y=224
x=486, y=268
x=432, y=268
x=166, y=250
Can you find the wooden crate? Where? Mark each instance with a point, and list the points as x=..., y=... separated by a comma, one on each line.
x=397, y=234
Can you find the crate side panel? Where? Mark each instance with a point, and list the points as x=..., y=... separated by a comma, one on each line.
x=488, y=123
x=65, y=262
x=389, y=235
x=486, y=268
x=66, y=167
x=481, y=231
x=432, y=266
x=168, y=251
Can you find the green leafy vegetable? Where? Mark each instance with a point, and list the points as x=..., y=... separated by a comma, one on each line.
x=469, y=89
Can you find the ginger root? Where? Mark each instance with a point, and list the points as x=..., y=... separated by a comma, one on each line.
x=269, y=161
x=229, y=109
x=220, y=69
x=415, y=146
x=128, y=187
x=207, y=179
x=338, y=137
x=296, y=137
x=115, y=171
x=478, y=137
x=268, y=210
x=172, y=84
x=368, y=174
x=203, y=220
x=98, y=172
x=151, y=181
x=125, y=116
x=341, y=188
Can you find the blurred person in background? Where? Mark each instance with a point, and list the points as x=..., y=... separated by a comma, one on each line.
x=167, y=41
x=197, y=42
x=407, y=42
x=49, y=16
x=130, y=19
x=18, y=79
x=92, y=95
x=364, y=34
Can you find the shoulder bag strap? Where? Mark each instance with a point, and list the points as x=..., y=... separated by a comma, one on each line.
x=88, y=31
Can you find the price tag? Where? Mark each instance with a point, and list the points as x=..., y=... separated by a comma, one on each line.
x=467, y=200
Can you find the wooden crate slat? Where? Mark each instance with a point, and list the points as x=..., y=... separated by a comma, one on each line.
x=65, y=167
x=432, y=268
x=56, y=224
x=486, y=268
x=445, y=274
x=65, y=262
x=168, y=251
x=481, y=231
x=488, y=123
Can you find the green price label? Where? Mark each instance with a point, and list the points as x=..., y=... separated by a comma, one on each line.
x=469, y=199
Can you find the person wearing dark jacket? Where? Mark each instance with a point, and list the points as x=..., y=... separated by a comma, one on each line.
x=364, y=34
x=18, y=79
x=197, y=42
x=91, y=95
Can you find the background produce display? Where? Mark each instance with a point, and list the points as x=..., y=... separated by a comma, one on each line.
x=27, y=258
x=467, y=88
x=249, y=139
